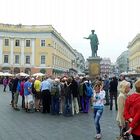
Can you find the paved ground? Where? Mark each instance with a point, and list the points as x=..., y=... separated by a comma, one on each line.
x=18, y=125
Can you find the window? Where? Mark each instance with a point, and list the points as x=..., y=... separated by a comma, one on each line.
x=42, y=43
x=17, y=43
x=43, y=59
x=5, y=58
x=16, y=59
x=6, y=43
x=27, y=60
x=28, y=43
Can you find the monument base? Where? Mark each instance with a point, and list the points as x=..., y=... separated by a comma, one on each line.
x=94, y=66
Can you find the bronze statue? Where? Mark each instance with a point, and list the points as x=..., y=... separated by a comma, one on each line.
x=93, y=43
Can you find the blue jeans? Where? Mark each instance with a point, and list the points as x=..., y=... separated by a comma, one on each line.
x=68, y=105
x=97, y=116
x=55, y=105
x=85, y=104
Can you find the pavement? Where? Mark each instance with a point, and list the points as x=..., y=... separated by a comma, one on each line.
x=19, y=125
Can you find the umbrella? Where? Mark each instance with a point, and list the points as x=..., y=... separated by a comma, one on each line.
x=38, y=74
x=7, y=74
x=1, y=73
x=22, y=74
x=124, y=73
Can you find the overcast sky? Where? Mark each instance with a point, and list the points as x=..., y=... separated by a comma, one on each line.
x=116, y=22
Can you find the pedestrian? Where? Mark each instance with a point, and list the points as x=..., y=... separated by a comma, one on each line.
x=113, y=92
x=55, y=97
x=124, y=88
x=28, y=94
x=5, y=82
x=46, y=97
x=37, y=87
x=81, y=94
x=62, y=95
x=98, y=107
x=68, y=109
x=22, y=92
x=10, y=88
x=74, y=87
x=132, y=112
x=15, y=92
x=88, y=92
x=106, y=89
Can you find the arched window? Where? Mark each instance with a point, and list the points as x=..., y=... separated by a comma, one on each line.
x=16, y=70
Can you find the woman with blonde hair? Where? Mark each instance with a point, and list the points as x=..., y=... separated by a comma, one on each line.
x=123, y=89
x=98, y=106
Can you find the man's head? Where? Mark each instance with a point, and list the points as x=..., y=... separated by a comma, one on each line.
x=37, y=78
x=106, y=76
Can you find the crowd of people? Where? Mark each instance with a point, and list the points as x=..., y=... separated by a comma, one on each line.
x=65, y=95
x=71, y=95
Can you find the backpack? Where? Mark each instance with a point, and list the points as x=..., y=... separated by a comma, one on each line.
x=55, y=90
x=89, y=90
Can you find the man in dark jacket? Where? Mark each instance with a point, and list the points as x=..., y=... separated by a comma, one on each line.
x=106, y=88
x=74, y=88
x=113, y=92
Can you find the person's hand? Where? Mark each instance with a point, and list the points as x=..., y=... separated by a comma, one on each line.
x=94, y=100
x=130, y=119
x=128, y=131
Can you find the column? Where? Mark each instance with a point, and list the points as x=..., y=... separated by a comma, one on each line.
x=33, y=51
x=12, y=53
x=22, y=52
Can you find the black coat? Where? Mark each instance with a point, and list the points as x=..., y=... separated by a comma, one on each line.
x=113, y=85
x=74, y=88
x=15, y=83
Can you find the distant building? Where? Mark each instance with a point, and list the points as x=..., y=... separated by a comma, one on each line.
x=134, y=54
x=80, y=62
x=114, y=70
x=34, y=48
x=122, y=62
x=105, y=66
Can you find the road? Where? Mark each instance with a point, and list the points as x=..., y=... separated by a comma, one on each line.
x=18, y=125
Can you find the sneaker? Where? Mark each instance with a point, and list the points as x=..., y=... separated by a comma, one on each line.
x=17, y=109
x=76, y=112
x=95, y=136
x=98, y=136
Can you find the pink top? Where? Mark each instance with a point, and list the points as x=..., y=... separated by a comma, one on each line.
x=22, y=88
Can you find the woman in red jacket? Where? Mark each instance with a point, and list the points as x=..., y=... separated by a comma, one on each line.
x=132, y=112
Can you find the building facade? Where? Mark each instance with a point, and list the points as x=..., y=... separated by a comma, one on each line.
x=80, y=62
x=105, y=66
x=34, y=48
x=122, y=62
x=134, y=54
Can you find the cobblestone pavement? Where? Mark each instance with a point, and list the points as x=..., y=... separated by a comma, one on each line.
x=18, y=125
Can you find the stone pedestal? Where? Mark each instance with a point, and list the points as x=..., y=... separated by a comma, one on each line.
x=94, y=66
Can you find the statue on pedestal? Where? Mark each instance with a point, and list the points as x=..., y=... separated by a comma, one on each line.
x=93, y=43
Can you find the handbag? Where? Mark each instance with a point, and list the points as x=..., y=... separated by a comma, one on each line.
x=123, y=130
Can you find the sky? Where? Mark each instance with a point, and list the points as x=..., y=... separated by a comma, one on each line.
x=116, y=22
